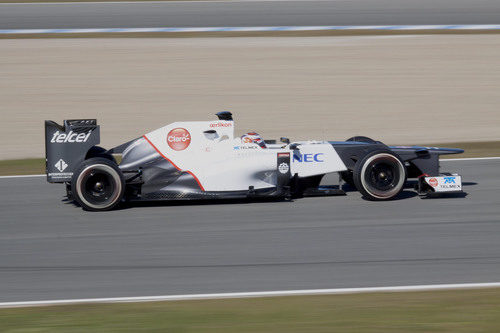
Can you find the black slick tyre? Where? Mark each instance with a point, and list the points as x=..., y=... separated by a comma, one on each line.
x=380, y=175
x=98, y=184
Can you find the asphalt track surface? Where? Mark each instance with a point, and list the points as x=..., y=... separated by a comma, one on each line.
x=247, y=13
x=50, y=249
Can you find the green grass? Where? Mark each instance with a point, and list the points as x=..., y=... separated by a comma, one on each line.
x=29, y=166
x=37, y=165
x=443, y=311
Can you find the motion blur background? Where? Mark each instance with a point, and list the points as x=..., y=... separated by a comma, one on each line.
x=396, y=88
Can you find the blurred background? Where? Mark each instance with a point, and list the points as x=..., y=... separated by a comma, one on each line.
x=413, y=88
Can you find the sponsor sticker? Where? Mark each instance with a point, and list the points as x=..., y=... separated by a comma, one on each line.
x=433, y=182
x=221, y=124
x=449, y=180
x=70, y=137
x=178, y=139
x=61, y=165
x=445, y=183
x=283, y=167
x=309, y=158
x=61, y=175
x=283, y=154
x=245, y=147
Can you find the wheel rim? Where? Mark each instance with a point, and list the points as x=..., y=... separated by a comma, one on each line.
x=383, y=176
x=99, y=186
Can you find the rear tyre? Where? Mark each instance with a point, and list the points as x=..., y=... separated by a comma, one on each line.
x=380, y=175
x=98, y=184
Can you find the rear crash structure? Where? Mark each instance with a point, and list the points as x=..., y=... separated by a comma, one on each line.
x=203, y=160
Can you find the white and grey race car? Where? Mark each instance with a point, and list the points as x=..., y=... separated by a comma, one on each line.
x=203, y=160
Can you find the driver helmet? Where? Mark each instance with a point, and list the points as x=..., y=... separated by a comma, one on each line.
x=253, y=137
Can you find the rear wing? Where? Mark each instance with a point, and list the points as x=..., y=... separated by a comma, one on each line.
x=67, y=145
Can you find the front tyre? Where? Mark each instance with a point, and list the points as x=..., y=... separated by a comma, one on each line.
x=380, y=175
x=98, y=184
x=360, y=138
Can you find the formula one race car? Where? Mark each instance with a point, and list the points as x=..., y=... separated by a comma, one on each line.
x=203, y=160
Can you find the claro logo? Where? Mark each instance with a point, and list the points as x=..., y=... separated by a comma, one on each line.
x=70, y=137
x=433, y=182
x=178, y=139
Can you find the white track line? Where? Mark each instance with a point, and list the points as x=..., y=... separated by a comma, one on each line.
x=305, y=292
x=469, y=159
x=146, y=2
x=22, y=176
x=444, y=160
x=260, y=29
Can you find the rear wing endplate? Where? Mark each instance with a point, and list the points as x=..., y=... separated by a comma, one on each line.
x=67, y=145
